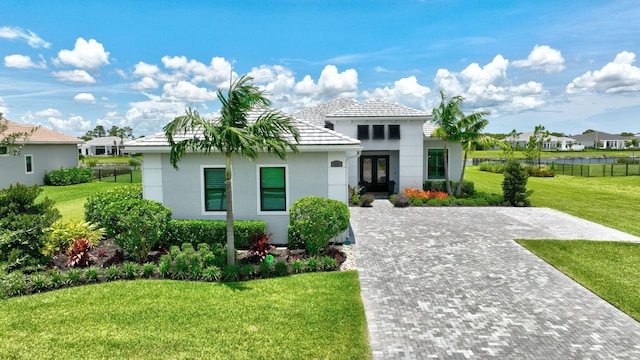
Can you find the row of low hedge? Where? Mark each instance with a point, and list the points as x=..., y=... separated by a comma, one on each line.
x=532, y=170
x=70, y=176
x=211, y=232
x=479, y=199
x=468, y=188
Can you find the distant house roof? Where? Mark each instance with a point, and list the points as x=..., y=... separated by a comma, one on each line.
x=40, y=136
x=310, y=135
x=526, y=135
x=599, y=136
x=104, y=141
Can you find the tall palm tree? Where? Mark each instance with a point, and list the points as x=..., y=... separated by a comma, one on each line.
x=469, y=129
x=446, y=116
x=233, y=133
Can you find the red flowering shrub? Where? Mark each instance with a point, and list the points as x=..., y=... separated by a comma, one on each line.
x=422, y=195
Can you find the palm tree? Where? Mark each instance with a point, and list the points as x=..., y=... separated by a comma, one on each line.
x=232, y=133
x=469, y=131
x=445, y=116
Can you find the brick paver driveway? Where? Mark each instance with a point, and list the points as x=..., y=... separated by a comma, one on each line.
x=452, y=283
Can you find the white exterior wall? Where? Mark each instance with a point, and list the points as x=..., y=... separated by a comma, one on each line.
x=182, y=190
x=411, y=156
x=455, y=157
x=45, y=157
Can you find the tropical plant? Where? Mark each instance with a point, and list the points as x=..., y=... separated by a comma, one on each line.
x=233, y=133
x=79, y=253
x=62, y=233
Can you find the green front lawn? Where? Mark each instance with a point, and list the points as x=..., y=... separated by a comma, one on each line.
x=610, y=201
x=609, y=269
x=498, y=154
x=309, y=316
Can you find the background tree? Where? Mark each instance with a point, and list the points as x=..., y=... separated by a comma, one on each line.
x=233, y=133
x=14, y=141
x=536, y=144
x=633, y=144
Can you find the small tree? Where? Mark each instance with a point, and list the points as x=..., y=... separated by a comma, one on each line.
x=13, y=141
x=633, y=144
x=514, y=185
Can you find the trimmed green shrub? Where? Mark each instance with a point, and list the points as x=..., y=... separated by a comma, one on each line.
x=434, y=202
x=468, y=188
x=211, y=232
x=416, y=202
x=70, y=176
x=22, y=224
x=94, y=207
x=514, y=185
x=366, y=200
x=400, y=200
x=491, y=199
x=314, y=221
x=138, y=225
x=147, y=270
x=492, y=166
x=543, y=171
x=281, y=268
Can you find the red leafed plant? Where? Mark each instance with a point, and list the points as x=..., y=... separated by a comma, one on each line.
x=260, y=246
x=79, y=254
x=421, y=194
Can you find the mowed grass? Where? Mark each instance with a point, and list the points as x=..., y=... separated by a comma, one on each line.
x=610, y=201
x=609, y=269
x=309, y=316
x=498, y=154
x=70, y=200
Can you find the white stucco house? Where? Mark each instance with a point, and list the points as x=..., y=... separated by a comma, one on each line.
x=371, y=142
x=555, y=143
x=102, y=146
x=45, y=150
x=602, y=140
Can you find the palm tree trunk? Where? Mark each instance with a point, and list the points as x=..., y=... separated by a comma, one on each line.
x=446, y=170
x=231, y=249
x=464, y=165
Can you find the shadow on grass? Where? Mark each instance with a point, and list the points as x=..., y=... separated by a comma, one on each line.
x=236, y=286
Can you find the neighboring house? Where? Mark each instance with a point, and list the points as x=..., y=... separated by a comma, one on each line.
x=602, y=140
x=395, y=143
x=555, y=143
x=46, y=150
x=102, y=146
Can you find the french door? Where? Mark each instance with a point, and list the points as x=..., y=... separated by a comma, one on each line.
x=374, y=172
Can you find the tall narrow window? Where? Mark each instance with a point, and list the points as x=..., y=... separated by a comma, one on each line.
x=3, y=150
x=28, y=163
x=378, y=132
x=394, y=131
x=363, y=132
x=215, y=192
x=435, y=164
x=273, y=191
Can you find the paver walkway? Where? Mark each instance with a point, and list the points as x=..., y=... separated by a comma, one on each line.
x=450, y=283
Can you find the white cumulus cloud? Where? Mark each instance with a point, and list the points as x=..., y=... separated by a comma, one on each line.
x=23, y=62
x=406, y=91
x=50, y=112
x=74, y=125
x=14, y=33
x=85, y=98
x=186, y=91
x=331, y=84
x=88, y=55
x=615, y=77
x=78, y=76
x=544, y=58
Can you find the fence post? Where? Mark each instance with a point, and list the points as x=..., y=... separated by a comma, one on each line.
x=130, y=176
x=99, y=174
x=115, y=175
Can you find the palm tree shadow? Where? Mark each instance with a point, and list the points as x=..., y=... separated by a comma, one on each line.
x=237, y=286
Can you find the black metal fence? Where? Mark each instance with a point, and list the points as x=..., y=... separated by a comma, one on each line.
x=111, y=173
x=586, y=166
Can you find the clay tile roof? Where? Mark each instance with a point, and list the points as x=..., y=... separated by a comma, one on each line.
x=42, y=135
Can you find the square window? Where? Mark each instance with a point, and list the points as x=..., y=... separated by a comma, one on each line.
x=394, y=131
x=378, y=132
x=215, y=190
x=363, y=132
x=273, y=190
x=3, y=150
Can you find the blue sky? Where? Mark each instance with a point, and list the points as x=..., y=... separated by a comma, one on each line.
x=569, y=65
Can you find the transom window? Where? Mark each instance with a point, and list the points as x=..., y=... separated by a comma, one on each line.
x=378, y=132
x=363, y=132
x=394, y=131
x=215, y=191
x=273, y=189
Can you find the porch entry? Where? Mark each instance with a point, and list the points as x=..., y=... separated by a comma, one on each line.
x=374, y=172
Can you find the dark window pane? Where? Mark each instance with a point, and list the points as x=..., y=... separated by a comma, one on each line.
x=363, y=132
x=273, y=195
x=28, y=163
x=378, y=132
x=394, y=131
x=215, y=190
x=435, y=164
x=328, y=125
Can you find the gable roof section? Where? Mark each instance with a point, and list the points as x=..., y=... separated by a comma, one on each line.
x=317, y=114
x=104, y=141
x=377, y=108
x=311, y=136
x=41, y=136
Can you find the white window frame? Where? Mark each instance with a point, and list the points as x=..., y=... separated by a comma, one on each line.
x=26, y=170
x=287, y=186
x=203, y=205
